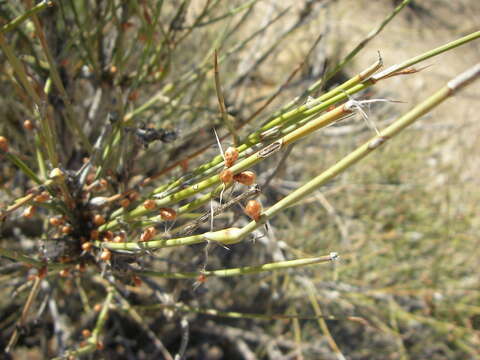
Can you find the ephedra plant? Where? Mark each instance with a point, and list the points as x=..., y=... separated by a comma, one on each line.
x=100, y=170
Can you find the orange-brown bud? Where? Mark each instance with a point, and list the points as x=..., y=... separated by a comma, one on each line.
x=29, y=212
x=56, y=221
x=108, y=235
x=42, y=197
x=124, y=203
x=106, y=255
x=98, y=220
x=246, y=178
x=28, y=125
x=148, y=234
x=149, y=204
x=67, y=229
x=136, y=280
x=42, y=272
x=231, y=155
x=3, y=144
x=64, y=272
x=226, y=176
x=253, y=209
x=87, y=246
x=168, y=214
x=133, y=195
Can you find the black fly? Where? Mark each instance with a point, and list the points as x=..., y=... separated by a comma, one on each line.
x=148, y=135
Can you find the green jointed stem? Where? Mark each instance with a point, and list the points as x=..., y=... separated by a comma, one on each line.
x=234, y=235
x=299, y=113
x=427, y=55
x=323, y=120
x=318, y=84
x=280, y=118
x=308, y=110
x=353, y=85
x=155, y=244
x=361, y=152
x=246, y=270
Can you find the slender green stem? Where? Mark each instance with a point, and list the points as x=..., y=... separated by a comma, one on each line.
x=301, y=112
x=26, y=15
x=229, y=13
x=267, y=151
x=239, y=315
x=321, y=321
x=278, y=121
x=246, y=270
x=353, y=85
x=18, y=256
x=362, y=151
x=92, y=342
x=102, y=317
x=234, y=235
x=39, y=156
x=23, y=318
x=46, y=127
x=70, y=118
x=365, y=41
x=427, y=55
x=24, y=167
x=163, y=243
x=221, y=102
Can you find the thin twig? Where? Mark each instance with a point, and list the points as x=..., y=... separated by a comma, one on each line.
x=23, y=318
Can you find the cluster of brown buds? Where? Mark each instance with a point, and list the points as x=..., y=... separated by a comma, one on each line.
x=253, y=208
x=226, y=176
